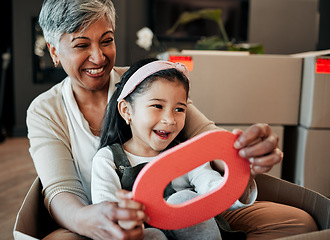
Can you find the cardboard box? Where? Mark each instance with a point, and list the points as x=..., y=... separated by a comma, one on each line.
x=276, y=171
x=33, y=221
x=312, y=159
x=317, y=205
x=246, y=89
x=315, y=94
x=277, y=24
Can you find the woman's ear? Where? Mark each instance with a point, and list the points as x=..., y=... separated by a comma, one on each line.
x=53, y=53
x=124, y=110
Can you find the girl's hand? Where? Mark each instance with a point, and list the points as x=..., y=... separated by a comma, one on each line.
x=259, y=144
x=126, y=202
x=100, y=221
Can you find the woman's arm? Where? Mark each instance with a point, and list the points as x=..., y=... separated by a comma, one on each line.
x=258, y=143
x=196, y=122
x=69, y=206
x=51, y=152
x=64, y=194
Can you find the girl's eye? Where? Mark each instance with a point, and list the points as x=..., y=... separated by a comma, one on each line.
x=158, y=106
x=180, y=110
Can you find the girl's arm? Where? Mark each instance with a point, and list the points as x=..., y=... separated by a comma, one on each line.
x=205, y=179
x=104, y=179
x=106, y=187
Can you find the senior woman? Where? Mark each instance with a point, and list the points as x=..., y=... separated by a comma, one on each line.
x=64, y=124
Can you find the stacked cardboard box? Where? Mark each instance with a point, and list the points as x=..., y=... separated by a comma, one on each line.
x=283, y=18
x=240, y=89
x=312, y=157
x=235, y=89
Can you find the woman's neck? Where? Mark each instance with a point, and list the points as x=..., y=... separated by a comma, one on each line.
x=92, y=105
x=92, y=98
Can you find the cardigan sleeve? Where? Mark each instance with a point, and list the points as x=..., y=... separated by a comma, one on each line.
x=196, y=122
x=50, y=147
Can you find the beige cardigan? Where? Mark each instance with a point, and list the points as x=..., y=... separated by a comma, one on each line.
x=50, y=145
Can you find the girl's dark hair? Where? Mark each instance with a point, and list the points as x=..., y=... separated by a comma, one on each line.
x=115, y=129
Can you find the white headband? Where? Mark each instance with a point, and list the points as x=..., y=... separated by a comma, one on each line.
x=147, y=70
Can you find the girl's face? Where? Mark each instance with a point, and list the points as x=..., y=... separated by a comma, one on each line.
x=156, y=117
x=88, y=56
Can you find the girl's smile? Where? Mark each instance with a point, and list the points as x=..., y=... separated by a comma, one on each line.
x=162, y=134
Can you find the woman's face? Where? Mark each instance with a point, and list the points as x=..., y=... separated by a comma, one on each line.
x=88, y=56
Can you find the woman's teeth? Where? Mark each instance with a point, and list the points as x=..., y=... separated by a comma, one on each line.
x=95, y=71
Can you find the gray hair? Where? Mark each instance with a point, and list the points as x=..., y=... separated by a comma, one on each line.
x=58, y=17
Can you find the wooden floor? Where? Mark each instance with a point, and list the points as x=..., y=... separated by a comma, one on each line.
x=16, y=175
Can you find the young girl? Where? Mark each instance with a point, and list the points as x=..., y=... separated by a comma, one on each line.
x=144, y=117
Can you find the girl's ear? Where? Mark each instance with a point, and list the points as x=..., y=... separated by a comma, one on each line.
x=124, y=110
x=53, y=53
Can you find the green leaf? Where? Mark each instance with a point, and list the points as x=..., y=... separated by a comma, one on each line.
x=211, y=43
x=253, y=48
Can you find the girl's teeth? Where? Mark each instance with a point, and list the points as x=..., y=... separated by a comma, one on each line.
x=162, y=133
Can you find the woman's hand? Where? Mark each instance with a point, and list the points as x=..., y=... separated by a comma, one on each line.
x=259, y=144
x=100, y=221
x=126, y=202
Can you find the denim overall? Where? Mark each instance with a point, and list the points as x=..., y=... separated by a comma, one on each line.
x=127, y=174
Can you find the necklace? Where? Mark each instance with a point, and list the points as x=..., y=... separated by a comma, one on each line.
x=94, y=129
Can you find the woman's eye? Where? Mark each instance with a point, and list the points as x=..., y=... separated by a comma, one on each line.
x=107, y=41
x=82, y=45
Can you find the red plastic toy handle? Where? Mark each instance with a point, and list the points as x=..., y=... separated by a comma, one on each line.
x=177, y=161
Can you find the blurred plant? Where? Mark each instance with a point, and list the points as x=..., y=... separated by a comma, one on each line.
x=214, y=42
x=146, y=38
x=210, y=14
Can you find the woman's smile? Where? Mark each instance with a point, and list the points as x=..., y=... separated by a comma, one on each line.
x=95, y=72
x=88, y=55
